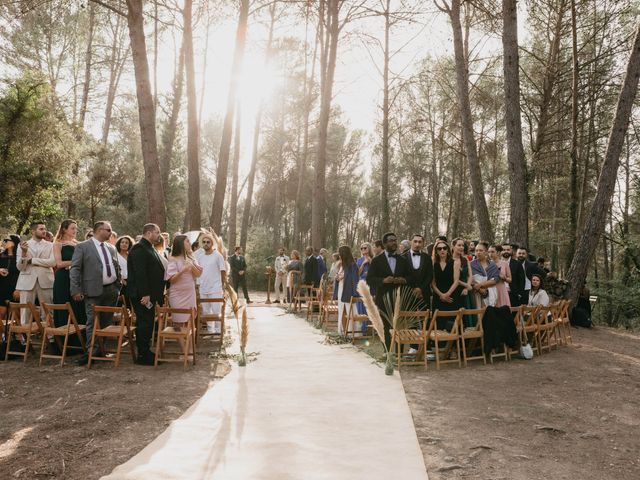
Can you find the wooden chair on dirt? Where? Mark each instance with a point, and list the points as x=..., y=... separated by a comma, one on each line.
x=302, y=297
x=403, y=335
x=314, y=303
x=450, y=335
x=547, y=331
x=356, y=326
x=31, y=329
x=202, y=327
x=529, y=316
x=473, y=334
x=167, y=332
x=563, y=325
x=516, y=312
x=65, y=331
x=119, y=328
x=329, y=311
x=293, y=277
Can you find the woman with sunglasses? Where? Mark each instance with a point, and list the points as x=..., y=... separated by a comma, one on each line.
x=446, y=279
x=8, y=272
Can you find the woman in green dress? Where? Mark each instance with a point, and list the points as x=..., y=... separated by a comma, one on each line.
x=63, y=247
x=459, y=249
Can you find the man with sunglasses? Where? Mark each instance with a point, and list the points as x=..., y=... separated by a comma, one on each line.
x=95, y=278
x=388, y=272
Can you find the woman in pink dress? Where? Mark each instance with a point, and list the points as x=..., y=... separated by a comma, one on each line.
x=495, y=253
x=182, y=271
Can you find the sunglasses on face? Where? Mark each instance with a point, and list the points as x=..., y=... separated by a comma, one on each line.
x=205, y=242
x=442, y=248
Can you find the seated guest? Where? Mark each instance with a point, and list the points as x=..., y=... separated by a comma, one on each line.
x=485, y=276
x=537, y=295
x=213, y=278
x=182, y=272
x=8, y=272
x=145, y=285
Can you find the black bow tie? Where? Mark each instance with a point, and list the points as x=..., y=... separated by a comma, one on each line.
x=415, y=254
x=391, y=255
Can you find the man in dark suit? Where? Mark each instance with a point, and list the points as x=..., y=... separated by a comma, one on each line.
x=311, y=268
x=388, y=272
x=421, y=267
x=94, y=277
x=239, y=272
x=145, y=285
x=525, y=269
x=517, y=274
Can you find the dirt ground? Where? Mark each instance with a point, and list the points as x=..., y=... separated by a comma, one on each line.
x=571, y=414
x=72, y=423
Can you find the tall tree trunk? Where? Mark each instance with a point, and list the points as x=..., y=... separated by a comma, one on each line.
x=225, y=142
x=594, y=226
x=462, y=83
x=169, y=132
x=319, y=203
x=246, y=211
x=519, y=221
x=193, y=149
x=573, y=175
x=156, y=212
x=235, y=165
x=87, y=67
x=116, y=65
x=385, y=122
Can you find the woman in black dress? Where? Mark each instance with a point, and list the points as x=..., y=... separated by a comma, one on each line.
x=446, y=278
x=8, y=272
x=63, y=247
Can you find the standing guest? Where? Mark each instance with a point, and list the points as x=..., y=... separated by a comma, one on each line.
x=495, y=254
x=138, y=238
x=465, y=284
x=446, y=280
x=35, y=261
x=310, y=268
x=8, y=272
x=387, y=273
x=49, y=236
x=442, y=238
x=63, y=249
x=472, y=250
x=123, y=246
x=537, y=295
x=335, y=265
x=161, y=249
x=88, y=234
x=167, y=243
x=405, y=246
x=145, y=285
x=346, y=284
x=294, y=270
x=485, y=276
x=322, y=265
x=113, y=238
x=542, y=265
x=182, y=272
x=238, y=266
x=211, y=282
x=377, y=248
x=421, y=272
x=522, y=274
x=280, y=264
x=95, y=278
x=508, y=254
x=364, y=262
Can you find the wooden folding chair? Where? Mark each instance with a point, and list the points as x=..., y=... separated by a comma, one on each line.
x=529, y=315
x=516, y=312
x=450, y=336
x=202, y=319
x=119, y=327
x=473, y=333
x=329, y=312
x=352, y=316
x=402, y=335
x=292, y=277
x=303, y=297
x=547, y=337
x=29, y=330
x=166, y=331
x=563, y=325
x=63, y=331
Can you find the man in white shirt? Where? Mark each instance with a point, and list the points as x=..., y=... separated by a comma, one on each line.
x=35, y=261
x=212, y=280
x=281, y=263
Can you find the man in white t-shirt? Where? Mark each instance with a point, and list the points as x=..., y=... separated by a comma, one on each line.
x=281, y=263
x=211, y=282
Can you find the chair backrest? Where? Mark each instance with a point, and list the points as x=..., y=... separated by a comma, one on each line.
x=119, y=314
x=440, y=314
x=49, y=308
x=413, y=320
x=202, y=301
x=517, y=314
x=164, y=316
x=478, y=313
x=544, y=314
x=528, y=314
x=15, y=309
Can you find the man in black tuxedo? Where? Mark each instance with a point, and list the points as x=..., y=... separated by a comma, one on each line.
x=311, y=268
x=421, y=267
x=388, y=272
x=517, y=274
x=525, y=269
x=145, y=286
x=239, y=272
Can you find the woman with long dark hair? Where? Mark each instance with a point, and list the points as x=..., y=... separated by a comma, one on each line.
x=446, y=278
x=9, y=272
x=123, y=245
x=346, y=283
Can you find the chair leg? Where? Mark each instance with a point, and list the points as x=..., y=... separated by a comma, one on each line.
x=437, y=354
x=64, y=348
x=458, y=352
x=464, y=352
x=155, y=363
x=484, y=357
x=119, y=349
x=44, y=346
x=93, y=343
x=26, y=348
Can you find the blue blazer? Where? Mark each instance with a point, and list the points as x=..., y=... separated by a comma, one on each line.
x=350, y=287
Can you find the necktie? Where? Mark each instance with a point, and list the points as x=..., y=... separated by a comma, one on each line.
x=106, y=259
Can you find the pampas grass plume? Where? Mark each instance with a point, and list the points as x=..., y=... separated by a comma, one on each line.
x=372, y=310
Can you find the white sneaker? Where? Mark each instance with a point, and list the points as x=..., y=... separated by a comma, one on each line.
x=412, y=351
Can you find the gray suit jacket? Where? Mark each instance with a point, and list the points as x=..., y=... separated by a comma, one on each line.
x=86, y=269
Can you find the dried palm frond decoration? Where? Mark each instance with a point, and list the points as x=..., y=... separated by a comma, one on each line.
x=244, y=336
x=402, y=300
x=376, y=321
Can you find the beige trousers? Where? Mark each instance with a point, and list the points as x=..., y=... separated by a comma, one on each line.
x=44, y=295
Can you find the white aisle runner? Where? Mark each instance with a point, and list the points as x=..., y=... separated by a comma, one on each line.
x=301, y=411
